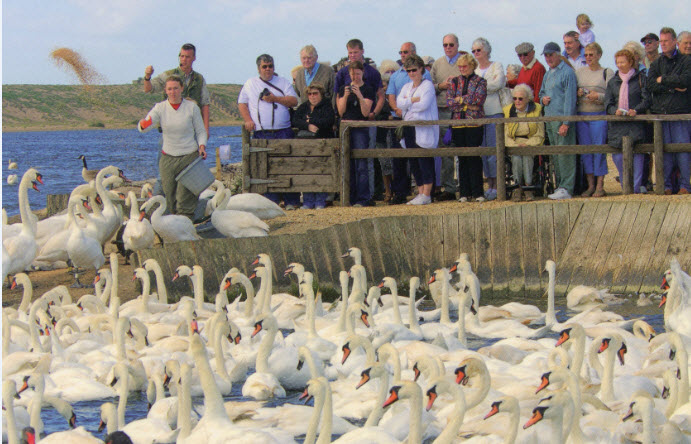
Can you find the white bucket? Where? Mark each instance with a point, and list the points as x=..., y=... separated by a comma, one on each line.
x=224, y=153
x=196, y=177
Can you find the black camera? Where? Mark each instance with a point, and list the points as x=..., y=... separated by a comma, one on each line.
x=264, y=93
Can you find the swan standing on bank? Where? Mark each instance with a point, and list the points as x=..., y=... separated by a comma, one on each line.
x=22, y=249
x=171, y=227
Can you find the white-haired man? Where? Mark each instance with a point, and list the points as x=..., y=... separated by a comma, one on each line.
x=313, y=71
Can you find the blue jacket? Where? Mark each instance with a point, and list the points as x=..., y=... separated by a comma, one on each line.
x=561, y=85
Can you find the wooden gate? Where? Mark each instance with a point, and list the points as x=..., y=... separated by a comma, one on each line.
x=290, y=165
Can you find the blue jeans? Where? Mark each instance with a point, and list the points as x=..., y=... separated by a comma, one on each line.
x=421, y=167
x=593, y=133
x=311, y=200
x=677, y=132
x=288, y=198
x=359, y=168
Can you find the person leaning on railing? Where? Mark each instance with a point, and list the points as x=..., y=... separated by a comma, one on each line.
x=315, y=117
x=627, y=95
x=523, y=134
x=465, y=98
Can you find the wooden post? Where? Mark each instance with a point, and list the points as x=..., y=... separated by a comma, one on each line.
x=658, y=156
x=245, y=160
x=501, y=162
x=627, y=165
x=345, y=165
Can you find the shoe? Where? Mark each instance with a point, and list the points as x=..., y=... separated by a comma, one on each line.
x=463, y=199
x=307, y=207
x=397, y=200
x=319, y=207
x=444, y=196
x=290, y=207
x=587, y=193
x=683, y=191
x=529, y=197
x=491, y=194
x=481, y=199
x=415, y=200
x=668, y=192
x=560, y=194
x=517, y=195
x=599, y=193
x=357, y=205
x=643, y=189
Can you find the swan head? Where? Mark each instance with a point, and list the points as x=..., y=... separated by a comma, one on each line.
x=262, y=259
x=564, y=336
x=503, y=404
x=550, y=266
x=353, y=252
x=461, y=375
x=265, y=322
x=182, y=270
x=641, y=403
x=544, y=382
x=346, y=352
x=25, y=384
x=431, y=396
x=365, y=376
x=394, y=395
x=294, y=267
x=612, y=342
x=539, y=414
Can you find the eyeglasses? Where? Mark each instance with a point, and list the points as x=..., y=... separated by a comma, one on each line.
x=267, y=66
x=475, y=51
x=587, y=54
x=647, y=42
x=411, y=70
x=449, y=45
x=403, y=52
x=523, y=54
x=519, y=99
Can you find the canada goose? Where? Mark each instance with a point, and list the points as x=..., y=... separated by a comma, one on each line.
x=87, y=174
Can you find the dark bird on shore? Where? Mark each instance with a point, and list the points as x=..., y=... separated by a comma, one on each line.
x=87, y=174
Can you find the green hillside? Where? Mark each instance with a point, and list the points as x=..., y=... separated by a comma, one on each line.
x=43, y=107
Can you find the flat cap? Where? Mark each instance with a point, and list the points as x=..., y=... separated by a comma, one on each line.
x=524, y=47
x=429, y=60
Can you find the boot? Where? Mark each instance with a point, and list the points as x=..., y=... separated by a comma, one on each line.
x=529, y=196
x=517, y=195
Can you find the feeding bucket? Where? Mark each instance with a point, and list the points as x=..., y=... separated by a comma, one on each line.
x=196, y=177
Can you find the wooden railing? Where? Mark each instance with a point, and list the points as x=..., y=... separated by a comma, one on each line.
x=658, y=148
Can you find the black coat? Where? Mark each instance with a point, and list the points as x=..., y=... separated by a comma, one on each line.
x=639, y=100
x=322, y=116
x=676, y=73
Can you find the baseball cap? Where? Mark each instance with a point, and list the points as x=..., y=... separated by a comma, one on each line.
x=649, y=36
x=550, y=48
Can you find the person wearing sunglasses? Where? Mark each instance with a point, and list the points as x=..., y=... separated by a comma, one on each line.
x=652, y=48
x=523, y=134
x=400, y=186
x=532, y=71
x=443, y=69
x=316, y=117
x=493, y=73
x=465, y=98
x=264, y=103
x=417, y=101
x=592, y=83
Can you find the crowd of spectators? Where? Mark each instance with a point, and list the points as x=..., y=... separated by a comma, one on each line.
x=651, y=77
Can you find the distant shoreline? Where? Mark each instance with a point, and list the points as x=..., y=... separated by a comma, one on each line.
x=83, y=128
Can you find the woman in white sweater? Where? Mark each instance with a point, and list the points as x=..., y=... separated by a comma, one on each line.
x=184, y=139
x=493, y=73
x=418, y=101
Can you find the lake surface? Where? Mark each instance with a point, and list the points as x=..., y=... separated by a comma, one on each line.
x=55, y=155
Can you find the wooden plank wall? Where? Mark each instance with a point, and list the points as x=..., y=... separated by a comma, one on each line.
x=625, y=246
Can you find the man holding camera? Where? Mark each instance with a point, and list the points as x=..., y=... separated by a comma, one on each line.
x=264, y=104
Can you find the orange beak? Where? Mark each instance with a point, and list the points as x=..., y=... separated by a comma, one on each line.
x=257, y=329
x=538, y=414
x=393, y=396
x=493, y=411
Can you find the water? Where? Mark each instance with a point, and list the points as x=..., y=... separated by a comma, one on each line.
x=55, y=153
x=88, y=412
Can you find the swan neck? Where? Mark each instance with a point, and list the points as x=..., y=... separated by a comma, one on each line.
x=514, y=419
x=24, y=207
x=262, y=364
x=550, y=316
x=378, y=411
x=160, y=285
x=249, y=301
x=184, y=404
x=218, y=351
x=122, y=401
x=415, y=434
x=12, y=432
x=36, y=405
x=198, y=286
x=448, y=435
x=317, y=412
x=445, y=302
x=213, y=400
x=327, y=416
x=396, y=309
x=27, y=294
x=607, y=388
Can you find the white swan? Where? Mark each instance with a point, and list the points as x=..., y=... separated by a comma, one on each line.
x=138, y=233
x=557, y=408
x=83, y=250
x=11, y=165
x=444, y=385
x=12, y=179
x=161, y=289
x=236, y=224
x=22, y=248
x=256, y=204
x=171, y=228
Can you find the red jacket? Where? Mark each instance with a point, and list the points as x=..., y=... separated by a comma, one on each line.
x=531, y=77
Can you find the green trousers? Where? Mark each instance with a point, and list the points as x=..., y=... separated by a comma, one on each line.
x=564, y=164
x=179, y=200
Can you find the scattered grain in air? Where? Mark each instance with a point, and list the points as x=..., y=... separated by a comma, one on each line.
x=74, y=63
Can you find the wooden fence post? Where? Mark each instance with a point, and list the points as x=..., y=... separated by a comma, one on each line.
x=245, y=160
x=658, y=156
x=501, y=162
x=627, y=165
x=345, y=165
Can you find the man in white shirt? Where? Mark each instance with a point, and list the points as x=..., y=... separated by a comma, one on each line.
x=264, y=104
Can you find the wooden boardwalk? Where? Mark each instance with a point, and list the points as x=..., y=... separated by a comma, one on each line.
x=624, y=246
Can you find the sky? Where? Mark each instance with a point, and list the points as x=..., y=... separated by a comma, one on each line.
x=120, y=38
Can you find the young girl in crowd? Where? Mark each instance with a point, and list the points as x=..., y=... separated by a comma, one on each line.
x=584, y=24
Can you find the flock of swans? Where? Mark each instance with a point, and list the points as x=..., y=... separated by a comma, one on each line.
x=94, y=216
x=374, y=378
